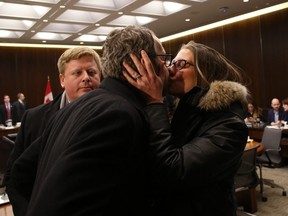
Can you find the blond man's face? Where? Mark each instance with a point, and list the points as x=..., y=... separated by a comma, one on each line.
x=80, y=76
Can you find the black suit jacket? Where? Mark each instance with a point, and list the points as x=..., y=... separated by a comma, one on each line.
x=20, y=109
x=33, y=124
x=271, y=116
x=3, y=114
x=92, y=157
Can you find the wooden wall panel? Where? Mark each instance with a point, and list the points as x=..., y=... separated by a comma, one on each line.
x=173, y=46
x=7, y=70
x=26, y=70
x=274, y=31
x=213, y=38
x=258, y=45
x=243, y=47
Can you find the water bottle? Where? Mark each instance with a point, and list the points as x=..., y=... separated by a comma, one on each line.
x=258, y=122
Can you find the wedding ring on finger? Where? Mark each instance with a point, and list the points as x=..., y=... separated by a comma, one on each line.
x=138, y=76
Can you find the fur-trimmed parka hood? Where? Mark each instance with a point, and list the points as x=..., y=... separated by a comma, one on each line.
x=221, y=94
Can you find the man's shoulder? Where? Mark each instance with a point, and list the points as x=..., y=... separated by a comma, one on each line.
x=270, y=110
x=39, y=108
x=95, y=95
x=44, y=107
x=101, y=98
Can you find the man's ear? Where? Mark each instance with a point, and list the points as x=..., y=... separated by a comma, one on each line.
x=61, y=78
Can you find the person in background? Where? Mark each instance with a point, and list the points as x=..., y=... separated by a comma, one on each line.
x=285, y=107
x=254, y=113
x=20, y=105
x=275, y=114
x=198, y=157
x=79, y=72
x=8, y=115
x=92, y=157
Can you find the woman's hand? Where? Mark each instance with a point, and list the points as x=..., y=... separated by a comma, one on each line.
x=145, y=79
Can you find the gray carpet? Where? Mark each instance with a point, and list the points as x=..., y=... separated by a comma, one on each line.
x=276, y=205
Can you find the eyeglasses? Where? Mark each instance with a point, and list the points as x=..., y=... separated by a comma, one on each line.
x=166, y=58
x=180, y=64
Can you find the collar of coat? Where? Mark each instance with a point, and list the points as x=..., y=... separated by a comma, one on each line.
x=221, y=94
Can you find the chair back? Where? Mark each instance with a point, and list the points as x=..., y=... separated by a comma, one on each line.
x=246, y=175
x=271, y=142
x=271, y=138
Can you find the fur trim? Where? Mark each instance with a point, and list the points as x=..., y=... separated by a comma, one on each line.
x=222, y=93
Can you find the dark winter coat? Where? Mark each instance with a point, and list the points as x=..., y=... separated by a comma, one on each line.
x=33, y=124
x=92, y=157
x=198, y=160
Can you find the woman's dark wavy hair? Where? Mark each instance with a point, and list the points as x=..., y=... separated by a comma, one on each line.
x=120, y=43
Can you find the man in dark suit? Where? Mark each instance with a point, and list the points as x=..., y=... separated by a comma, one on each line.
x=8, y=114
x=276, y=115
x=20, y=106
x=79, y=73
x=93, y=153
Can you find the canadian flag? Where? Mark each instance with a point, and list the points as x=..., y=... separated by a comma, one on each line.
x=48, y=92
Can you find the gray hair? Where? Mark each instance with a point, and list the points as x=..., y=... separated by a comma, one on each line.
x=122, y=42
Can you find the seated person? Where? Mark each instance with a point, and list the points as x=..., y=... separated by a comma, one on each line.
x=253, y=113
x=285, y=107
x=276, y=115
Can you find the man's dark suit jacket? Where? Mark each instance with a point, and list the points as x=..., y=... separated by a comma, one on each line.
x=20, y=109
x=271, y=117
x=92, y=159
x=33, y=124
x=3, y=114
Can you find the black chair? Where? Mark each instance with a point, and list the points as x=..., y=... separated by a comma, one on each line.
x=270, y=157
x=6, y=146
x=246, y=180
x=246, y=176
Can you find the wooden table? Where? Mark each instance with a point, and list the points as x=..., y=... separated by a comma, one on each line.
x=253, y=144
x=5, y=132
x=6, y=210
x=256, y=133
